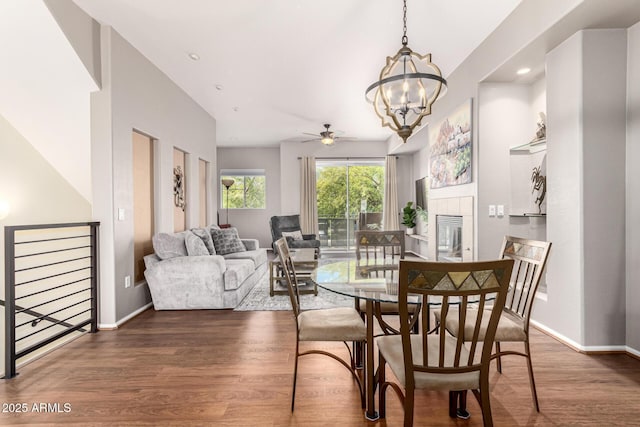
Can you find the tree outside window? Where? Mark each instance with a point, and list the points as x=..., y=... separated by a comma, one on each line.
x=247, y=192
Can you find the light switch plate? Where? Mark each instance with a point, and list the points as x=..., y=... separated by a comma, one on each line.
x=492, y=210
x=120, y=214
x=500, y=210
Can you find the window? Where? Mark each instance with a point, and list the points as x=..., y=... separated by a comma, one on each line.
x=350, y=195
x=248, y=190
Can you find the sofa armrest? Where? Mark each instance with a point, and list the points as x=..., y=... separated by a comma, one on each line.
x=250, y=244
x=187, y=282
x=308, y=237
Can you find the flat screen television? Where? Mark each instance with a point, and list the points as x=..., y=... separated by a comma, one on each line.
x=422, y=191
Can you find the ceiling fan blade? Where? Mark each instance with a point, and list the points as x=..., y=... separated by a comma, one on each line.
x=346, y=138
x=310, y=140
x=312, y=134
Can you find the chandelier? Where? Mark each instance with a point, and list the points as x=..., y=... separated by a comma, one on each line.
x=409, y=83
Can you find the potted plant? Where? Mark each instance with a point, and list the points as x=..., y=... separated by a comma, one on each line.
x=409, y=217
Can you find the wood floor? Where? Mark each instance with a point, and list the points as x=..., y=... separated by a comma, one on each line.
x=225, y=368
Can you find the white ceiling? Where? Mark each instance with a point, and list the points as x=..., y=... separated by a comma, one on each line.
x=289, y=66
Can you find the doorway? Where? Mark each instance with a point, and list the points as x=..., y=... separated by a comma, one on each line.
x=350, y=194
x=143, y=202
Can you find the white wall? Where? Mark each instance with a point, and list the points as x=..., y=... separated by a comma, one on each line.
x=36, y=193
x=136, y=95
x=45, y=89
x=633, y=190
x=253, y=223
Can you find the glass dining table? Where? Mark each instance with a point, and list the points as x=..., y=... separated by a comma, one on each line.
x=373, y=283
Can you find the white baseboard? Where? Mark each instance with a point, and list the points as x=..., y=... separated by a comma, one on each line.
x=633, y=352
x=112, y=326
x=583, y=348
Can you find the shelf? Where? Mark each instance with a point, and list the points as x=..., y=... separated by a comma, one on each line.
x=528, y=215
x=530, y=147
x=418, y=237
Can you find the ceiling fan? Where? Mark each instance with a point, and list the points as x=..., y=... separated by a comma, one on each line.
x=327, y=137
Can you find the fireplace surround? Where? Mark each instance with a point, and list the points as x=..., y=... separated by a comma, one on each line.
x=462, y=209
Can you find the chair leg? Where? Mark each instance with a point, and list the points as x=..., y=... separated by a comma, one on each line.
x=382, y=389
x=358, y=347
x=408, y=407
x=295, y=375
x=498, y=359
x=357, y=354
x=532, y=381
x=453, y=403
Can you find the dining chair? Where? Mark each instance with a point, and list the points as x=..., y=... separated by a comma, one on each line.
x=375, y=250
x=530, y=258
x=443, y=361
x=330, y=324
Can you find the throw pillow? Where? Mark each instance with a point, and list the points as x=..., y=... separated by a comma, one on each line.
x=204, y=234
x=295, y=235
x=167, y=245
x=227, y=241
x=195, y=245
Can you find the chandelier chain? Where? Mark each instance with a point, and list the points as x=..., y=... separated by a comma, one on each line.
x=405, y=40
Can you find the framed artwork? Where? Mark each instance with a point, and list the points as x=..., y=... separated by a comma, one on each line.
x=450, y=148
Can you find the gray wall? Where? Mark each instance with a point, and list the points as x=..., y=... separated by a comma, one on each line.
x=603, y=183
x=633, y=190
x=585, y=165
x=136, y=95
x=253, y=223
x=505, y=121
x=82, y=32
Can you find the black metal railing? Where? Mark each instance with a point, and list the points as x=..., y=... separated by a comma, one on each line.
x=339, y=233
x=51, y=286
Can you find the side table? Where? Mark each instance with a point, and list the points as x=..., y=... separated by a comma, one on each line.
x=304, y=261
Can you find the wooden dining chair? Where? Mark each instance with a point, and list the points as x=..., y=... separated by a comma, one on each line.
x=331, y=324
x=443, y=361
x=374, y=250
x=530, y=258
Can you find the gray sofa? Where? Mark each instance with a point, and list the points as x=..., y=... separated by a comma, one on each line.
x=183, y=278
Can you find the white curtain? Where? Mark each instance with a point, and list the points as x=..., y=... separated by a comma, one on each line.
x=390, y=205
x=308, y=196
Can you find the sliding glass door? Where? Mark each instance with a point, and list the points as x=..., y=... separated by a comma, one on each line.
x=350, y=194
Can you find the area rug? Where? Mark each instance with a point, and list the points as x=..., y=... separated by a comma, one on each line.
x=258, y=299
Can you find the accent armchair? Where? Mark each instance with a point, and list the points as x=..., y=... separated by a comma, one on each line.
x=289, y=226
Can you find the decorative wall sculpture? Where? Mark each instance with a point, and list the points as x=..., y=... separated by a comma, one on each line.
x=539, y=185
x=178, y=187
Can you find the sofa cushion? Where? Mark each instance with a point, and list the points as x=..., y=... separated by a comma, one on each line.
x=195, y=245
x=169, y=245
x=258, y=256
x=237, y=272
x=205, y=235
x=295, y=235
x=227, y=241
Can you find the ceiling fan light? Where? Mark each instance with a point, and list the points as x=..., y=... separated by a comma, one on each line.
x=327, y=141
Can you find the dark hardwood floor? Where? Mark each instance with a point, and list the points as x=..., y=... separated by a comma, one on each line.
x=225, y=368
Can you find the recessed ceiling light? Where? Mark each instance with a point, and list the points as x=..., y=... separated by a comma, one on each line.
x=194, y=56
x=523, y=71
x=219, y=87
